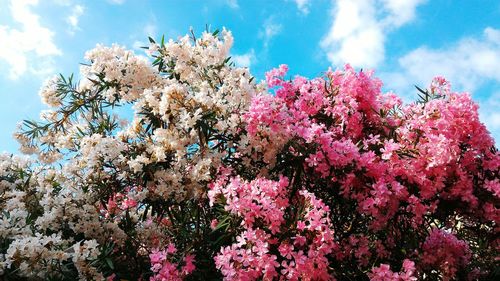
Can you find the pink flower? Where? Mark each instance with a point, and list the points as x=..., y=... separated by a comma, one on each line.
x=111, y=277
x=171, y=249
x=389, y=148
x=273, y=77
x=128, y=203
x=112, y=206
x=189, y=264
x=213, y=224
x=301, y=225
x=285, y=250
x=157, y=256
x=165, y=269
x=384, y=272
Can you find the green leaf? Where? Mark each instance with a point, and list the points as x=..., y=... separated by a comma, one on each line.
x=421, y=90
x=151, y=40
x=157, y=61
x=110, y=263
x=30, y=124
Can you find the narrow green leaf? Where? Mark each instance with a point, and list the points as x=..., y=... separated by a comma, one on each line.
x=421, y=90
x=110, y=263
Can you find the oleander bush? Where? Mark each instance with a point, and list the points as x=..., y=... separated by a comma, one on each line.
x=182, y=166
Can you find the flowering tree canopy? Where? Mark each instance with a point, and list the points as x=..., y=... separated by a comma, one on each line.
x=216, y=176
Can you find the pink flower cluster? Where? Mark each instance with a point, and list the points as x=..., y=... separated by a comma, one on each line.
x=335, y=118
x=444, y=252
x=260, y=200
x=165, y=269
x=274, y=243
x=399, y=164
x=117, y=204
x=384, y=272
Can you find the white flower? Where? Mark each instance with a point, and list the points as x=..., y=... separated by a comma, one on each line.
x=49, y=93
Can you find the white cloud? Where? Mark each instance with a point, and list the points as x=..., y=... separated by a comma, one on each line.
x=467, y=63
x=489, y=113
x=359, y=28
x=74, y=18
x=233, y=4
x=245, y=60
x=270, y=30
x=400, y=12
x=32, y=44
x=303, y=6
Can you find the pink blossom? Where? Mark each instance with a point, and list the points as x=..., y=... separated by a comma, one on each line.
x=213, y=224
x=128, y=203
x=189, y=264
x=171, y=249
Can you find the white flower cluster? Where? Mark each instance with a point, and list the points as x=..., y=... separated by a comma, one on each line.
x=48, y=92
x=12, y=199
x=187, y=116
x=83, y=253
x=207, y=92
x=36, y=256
x=31, y=207
x=99, y=150
x=127, y=74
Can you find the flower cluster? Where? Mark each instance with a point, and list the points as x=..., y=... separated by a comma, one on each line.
x=260, y=200
x=179, y=166
x=262, y=250
x=165, y=270
x=396, y=166
x=126, y=74
x=443, y=251
x=383, y=272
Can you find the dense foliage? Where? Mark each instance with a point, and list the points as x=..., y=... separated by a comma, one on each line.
x=217, y=177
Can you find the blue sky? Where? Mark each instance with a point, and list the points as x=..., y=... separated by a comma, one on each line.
x=406, y=41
